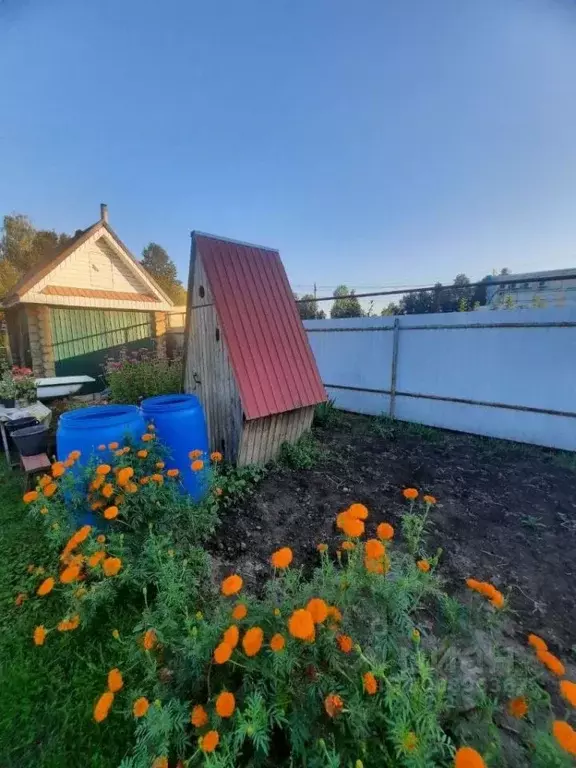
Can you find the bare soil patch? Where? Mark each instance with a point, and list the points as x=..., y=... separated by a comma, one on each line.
x=506, y=513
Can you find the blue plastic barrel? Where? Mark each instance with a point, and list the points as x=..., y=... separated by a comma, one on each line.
x=86, y=428
x=181, y=427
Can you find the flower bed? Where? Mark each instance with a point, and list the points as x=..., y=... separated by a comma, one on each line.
x=363, y=661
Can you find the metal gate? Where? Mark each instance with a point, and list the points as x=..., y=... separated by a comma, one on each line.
x=83, y=338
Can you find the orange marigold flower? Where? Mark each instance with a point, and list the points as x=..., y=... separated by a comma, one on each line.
x=518, y=707
x=568, y=691
x=58, y=469
x=209, y=741
x=160, y=762
x=103, y=705
x=20, y=598
x=101, y=447
x=282, y=558
x=197, y=465
x=334, y=613
x=111, y=512
x=348, y=546
x=119, y=500
x=147, y=437
x=374, y=549
x=50, y=489
x=113, y=446
x=473, y=584
x=159, y=465
x=373, y=566
x=410, y=741
x=301, y=624
x=216, y=456
x=68, y=463
x=44, y=480
x=317, y=609
x=277, y=642
x=112, y=565
x=322, y=547
x=497, y=599
x=198, y=716
x=231, y=636
x=40, y=635
x=70, y=574
x=551, y=662
x=157, y=478
x=222, y=653
x=101, y=539
x=195, y=454
x=352, y=527
x=466, y=757
x=82, y=534
x=97, y=482
x=140, y=707
x=252, y=641
x=410, y=493
x=385, y=531
x=358, y=511
x=423, y=565
x=97, y=505
x=115, y=682
x=74, y=455
x=537, y=643
x=345, y=643
x=144, y=480
x=429, y=499
x=173, y=472
x=239, y=612
x=130, y=487
x=142, y=454
x=565, y=735
x=333, y=704
x=124, y=475
x=225, y=704
x=108, y=490
x=149, y=639
x=231, y=585
x=46, y=587
x=370, y=683
x=104, y=469
x=96, y=557
x=69, y=624
x=43, y=510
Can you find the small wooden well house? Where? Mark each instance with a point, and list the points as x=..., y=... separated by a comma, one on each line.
x=246, y=353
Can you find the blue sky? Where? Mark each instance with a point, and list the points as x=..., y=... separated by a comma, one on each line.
x=376, y=143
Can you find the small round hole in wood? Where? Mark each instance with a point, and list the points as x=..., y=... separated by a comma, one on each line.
x=217, y=334
x=201, y=291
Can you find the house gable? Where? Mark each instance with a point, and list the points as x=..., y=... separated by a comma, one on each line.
x=98, y=272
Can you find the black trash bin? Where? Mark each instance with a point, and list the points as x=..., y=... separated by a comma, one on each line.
x=31, y=440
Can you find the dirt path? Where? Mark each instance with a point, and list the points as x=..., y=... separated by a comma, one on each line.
x=506, y=512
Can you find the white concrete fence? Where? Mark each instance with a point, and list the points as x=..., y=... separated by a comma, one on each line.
x=507, y=373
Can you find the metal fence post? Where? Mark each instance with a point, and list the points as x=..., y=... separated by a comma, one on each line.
x=394, y=370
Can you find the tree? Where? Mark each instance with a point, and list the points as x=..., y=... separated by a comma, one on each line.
x=391, y=309
x=160, y=266
x=345, y=307
x=308, y=308
x=22, y=245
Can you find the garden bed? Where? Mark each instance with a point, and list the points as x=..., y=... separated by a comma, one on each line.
x=506, y=512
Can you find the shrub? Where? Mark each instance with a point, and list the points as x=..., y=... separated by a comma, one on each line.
x=326, y=415
x=136, y=376
x=303, y=454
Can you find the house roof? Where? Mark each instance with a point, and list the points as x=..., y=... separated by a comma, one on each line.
x=45, y=266
x=268, y=348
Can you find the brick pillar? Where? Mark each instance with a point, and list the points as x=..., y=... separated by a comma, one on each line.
x=160, y=333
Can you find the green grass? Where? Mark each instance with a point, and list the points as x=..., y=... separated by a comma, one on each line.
x=47, y=693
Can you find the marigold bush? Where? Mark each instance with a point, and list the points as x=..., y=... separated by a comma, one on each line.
x=364, y=661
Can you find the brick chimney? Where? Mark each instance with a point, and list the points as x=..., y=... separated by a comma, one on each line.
x=104, y=213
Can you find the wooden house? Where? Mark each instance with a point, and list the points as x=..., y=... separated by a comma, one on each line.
x=246, y=353
x=83, y=304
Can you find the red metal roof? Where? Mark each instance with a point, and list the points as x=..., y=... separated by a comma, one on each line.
x=268, y=347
